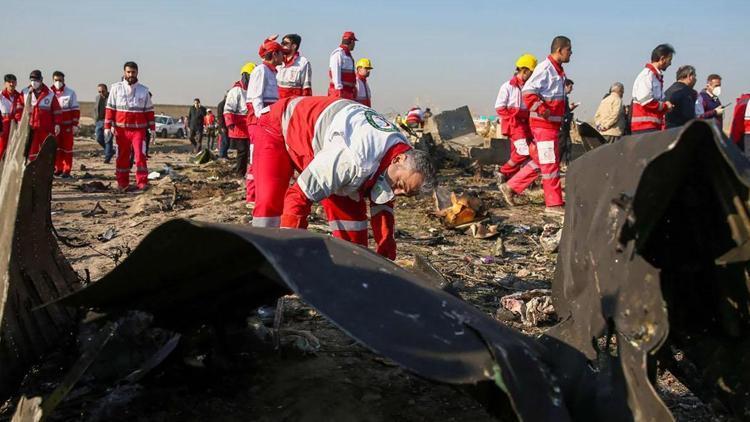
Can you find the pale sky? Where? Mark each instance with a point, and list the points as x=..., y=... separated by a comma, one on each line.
x=441, y=54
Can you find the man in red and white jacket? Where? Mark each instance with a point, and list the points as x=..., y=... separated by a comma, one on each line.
x=345, y=152
x=341, y=71
x=544, y=96
x=235, y=117
x=362, y=94
x=46, y=115
x=262, y=92
x=414, y=117
x=294, y=76
x=740, y=129
x=71, y=113
x=131, y=113
x=649, y=103
x=11, y=109
x=515, y=117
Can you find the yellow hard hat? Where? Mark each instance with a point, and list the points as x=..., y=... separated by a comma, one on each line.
x=247, y=68
x=527, y=60
x=366, y=63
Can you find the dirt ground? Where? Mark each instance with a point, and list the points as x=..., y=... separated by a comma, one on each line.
x=342, y=381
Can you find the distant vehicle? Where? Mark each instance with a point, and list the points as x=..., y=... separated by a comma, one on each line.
x=167, y=126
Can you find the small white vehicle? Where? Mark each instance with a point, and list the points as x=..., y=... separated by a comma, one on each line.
x=167, y=126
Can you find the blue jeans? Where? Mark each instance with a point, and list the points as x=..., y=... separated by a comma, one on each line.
x=109, y=150
x=224, y=145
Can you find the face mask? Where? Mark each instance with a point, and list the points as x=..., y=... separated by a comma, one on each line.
x=382, y=192
x=716, y=91
x=36, y=84
x=59, y=84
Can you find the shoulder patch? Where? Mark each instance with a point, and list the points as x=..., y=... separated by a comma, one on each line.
x=379, y=122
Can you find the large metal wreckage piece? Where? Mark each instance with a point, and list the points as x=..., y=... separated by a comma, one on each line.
x=651, y=265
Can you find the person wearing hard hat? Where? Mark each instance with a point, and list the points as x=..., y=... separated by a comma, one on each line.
x=362, y=93
x=341, y=70
x=235, y=117
x=294, y=76
x=514, y=120
x=262, y=92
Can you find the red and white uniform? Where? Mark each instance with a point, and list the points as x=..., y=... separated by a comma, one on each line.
x=515, y=124
x=235, y=111
x=45, y=115
x=11, y=109
x=648, y=101
x=294, y=77
x=544, y=91
x=362, y=93
x=71, y=113
x=741, y=121
x=262, y=92
x=131, y=113
x=414, y=115
x=341, y=150
x=341, y=74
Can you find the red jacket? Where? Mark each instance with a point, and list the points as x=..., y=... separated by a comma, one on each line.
x=11, y=109
x=740, y=123
x=648, y=101
x=362, y=94
x=209, y=120
x=68, y=100
x=45, y=110
x=341, y=74
x=512, y=110
x=129, y=107
x=303, y=125
x=294, y=77
x=235, y=111
x=545, y=90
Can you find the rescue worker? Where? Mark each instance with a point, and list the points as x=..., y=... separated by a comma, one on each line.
x=740, y=130
x=515, y=118
x=262, y=91
x=294, y=76
x=131, y=113
x=544, y=96
x=345, y=153
x=11, y=109
x=362, y=93
x=341, y=70
x=235, y=117
x=209, y=124
x=46, y=114
x=414, y=117
x=649, y=104
x=71, y=114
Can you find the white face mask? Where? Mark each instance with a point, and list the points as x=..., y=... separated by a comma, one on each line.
x=36, y=84
x=716, y=91
x=59, y=84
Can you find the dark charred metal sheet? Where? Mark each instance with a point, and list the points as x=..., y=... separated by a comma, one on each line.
x=33, y=271
x=652, y=261
x=386, y=308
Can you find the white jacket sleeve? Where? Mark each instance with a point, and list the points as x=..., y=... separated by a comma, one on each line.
x=307, y=76
x=643, y=88
x=332, y=169
x=502, y=96
x=255, y=90
x=335, y=65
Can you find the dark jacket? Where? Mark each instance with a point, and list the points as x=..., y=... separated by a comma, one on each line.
x=683, y=97
x=100, y=106
x=195, y=117
x=220, y=114
x=710, y=104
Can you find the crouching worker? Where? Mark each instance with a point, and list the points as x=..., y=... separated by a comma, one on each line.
x=347, y=154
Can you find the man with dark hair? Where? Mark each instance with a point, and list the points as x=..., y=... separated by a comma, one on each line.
x=341, y=70
x=708, y=105
x=46, y=115
x=682, y=95
x=262, y=92
x=71, y=114
x=11, y=108
x=131, y=113
x=196, y=116
x=649, y=103
x=294, y=76
x=544, y=96
x=100, y=108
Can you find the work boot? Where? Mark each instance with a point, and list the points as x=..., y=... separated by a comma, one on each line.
x=508, y=194
x=558, y=211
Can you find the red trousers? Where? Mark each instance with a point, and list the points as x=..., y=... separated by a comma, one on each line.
x=130, y=140
x=64, y=156
x=37, y=139
x=518, y=157
x=545, y=155
x=4, y=140
x=249, y=178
